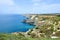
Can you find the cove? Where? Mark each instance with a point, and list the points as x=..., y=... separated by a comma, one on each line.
x=12, y=23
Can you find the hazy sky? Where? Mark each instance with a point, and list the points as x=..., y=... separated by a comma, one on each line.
x=29, y=6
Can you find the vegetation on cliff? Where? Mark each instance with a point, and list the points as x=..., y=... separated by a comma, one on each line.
x=47, y=26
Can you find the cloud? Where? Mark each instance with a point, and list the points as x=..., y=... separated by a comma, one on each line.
x=6, y=2
x=53, y=8
x=41, y=6
x=38, y=6
x=36, y=0
x=44, y=8
x=8, y=6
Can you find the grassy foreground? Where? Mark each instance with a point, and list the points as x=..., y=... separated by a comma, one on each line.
x=21, y=37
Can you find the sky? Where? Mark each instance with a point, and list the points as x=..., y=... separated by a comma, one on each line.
x=29, y=6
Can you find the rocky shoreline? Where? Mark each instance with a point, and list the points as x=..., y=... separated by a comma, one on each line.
x=46, y=26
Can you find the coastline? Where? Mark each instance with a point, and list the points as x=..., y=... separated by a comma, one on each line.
x=39, y=22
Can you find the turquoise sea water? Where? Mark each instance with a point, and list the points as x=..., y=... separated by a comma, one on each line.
x=12, y=23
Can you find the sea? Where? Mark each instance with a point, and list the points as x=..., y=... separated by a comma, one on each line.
x=13, y=23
